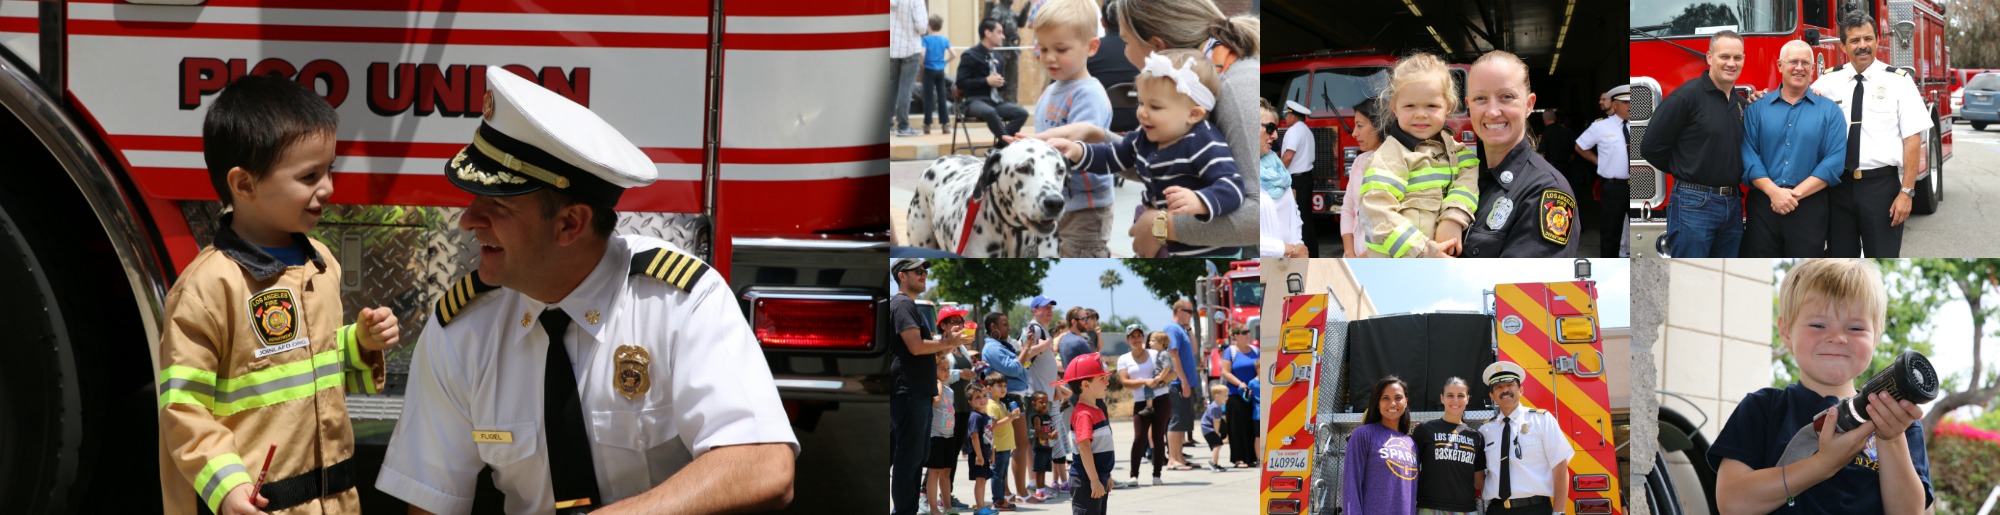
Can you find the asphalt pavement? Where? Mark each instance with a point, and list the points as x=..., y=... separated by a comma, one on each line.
x=1971, y=199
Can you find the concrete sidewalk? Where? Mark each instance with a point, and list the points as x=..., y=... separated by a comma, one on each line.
x=1196, y=492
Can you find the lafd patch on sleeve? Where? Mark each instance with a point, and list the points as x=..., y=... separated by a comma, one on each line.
x=1558, y=216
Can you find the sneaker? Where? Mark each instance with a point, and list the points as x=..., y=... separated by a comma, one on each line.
x=1124, y=484
x=1044, y=493
x=985, y=511
x=1216, y=467
x=906, y=132
x=1157, y=482
x=957, y=504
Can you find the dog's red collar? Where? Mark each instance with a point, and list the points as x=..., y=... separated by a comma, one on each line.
x=965, y=230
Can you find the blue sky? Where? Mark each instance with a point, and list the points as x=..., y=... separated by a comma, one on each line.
x=1073, y=282
x=1426, y=285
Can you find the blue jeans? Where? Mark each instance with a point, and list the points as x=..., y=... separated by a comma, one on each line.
x=1702, y=224
x=1002, y=460
x=937, y=97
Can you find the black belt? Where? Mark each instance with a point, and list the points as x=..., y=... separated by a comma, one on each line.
x=1726, y=191
x=1870, y=174
x=1519, y=502
x=302, y=488
x=1608, y=179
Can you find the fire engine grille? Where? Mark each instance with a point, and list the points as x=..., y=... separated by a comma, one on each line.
x=403, y=257
x=1643, y=99
x=1903, y=55
x=1648, y=187
x=1632, y=145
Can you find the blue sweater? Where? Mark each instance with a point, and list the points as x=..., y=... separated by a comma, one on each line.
x=1200, y=161
x=1072, y=101
x=1004, y=360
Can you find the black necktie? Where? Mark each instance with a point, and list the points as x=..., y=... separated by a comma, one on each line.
x=1854, y=126
x=1506, y=457
x=571, y=471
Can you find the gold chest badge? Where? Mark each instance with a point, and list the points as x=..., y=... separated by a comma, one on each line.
x=633, y=372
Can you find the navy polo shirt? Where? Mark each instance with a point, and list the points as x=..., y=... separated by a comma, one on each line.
x=1757, y=433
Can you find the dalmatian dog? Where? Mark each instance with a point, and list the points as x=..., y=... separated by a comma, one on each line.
x=1021, y=192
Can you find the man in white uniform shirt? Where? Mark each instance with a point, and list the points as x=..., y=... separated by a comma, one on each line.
x=1886, y=123
x=1607, y=136
x=1298, y=154
x=1527, y=456
x=590, y=372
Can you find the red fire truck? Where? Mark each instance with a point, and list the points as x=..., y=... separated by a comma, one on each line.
x=1330, y=83
x=1669, y=39
x=1229, y=299
x=106, y=196
x=1325, y=365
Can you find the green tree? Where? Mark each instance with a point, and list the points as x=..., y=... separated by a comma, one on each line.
x=1110, y=282
x=1971, y=277
x=1171, y=279
x=1972, y=34
x=988, y=284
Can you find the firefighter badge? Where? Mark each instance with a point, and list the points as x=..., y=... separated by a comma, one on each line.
x=1558, y=215
x=633, y=374
x=272, y=312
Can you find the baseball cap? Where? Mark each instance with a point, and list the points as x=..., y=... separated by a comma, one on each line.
x=908, y=264
x=1040, y=301
x=1136, y=328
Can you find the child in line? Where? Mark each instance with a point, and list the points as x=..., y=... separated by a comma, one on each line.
x=1422, y=186
x=1159, y=343
x=1830, y=316
x=1086, y=376
x=979, y=449
x=942, y=453
x=1043, y=424
x=1003, y=417
x=1065, y=38
x=1183, y=159
x=937, y=89
x=1211, y=424
x=259, y=308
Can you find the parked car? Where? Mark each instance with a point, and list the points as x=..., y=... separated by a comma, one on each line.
x=1982, y=100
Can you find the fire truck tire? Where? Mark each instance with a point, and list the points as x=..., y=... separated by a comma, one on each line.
x=1930, y=188
x=40, y=410
x=1661, y=495
x=1693, y=448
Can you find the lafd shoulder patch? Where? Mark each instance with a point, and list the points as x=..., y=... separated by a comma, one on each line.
x=1558, y=215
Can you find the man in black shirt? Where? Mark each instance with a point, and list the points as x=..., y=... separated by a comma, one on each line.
x=1450, y=456
x=913, y=372
x=1696, y=134
x=980, y=80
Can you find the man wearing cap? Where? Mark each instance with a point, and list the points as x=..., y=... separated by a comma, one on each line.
x=1181, y=389
x=1607, y=136
x=1696, y=134
x=1297, y=153
x=1793, y=144
x=1527, y=456
x=1044, y=367
x=563, y=319
x=913, y=372
x=1885, y=139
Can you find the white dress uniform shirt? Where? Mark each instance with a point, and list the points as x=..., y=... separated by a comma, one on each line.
x=1895, y=110
x=475, y=392
x=1608, y=135
x=1537, y=442
x=1299, y=139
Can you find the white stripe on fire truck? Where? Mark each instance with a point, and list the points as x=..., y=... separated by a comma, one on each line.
x=667, y=171
x=396, y=19
x=805, y=24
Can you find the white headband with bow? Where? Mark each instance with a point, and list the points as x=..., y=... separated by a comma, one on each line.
x=1185, y=80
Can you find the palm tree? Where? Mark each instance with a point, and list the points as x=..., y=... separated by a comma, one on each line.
x=1109, y=282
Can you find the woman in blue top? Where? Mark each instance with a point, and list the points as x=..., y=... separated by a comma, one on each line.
x=1379, y=475
x=1242, y=424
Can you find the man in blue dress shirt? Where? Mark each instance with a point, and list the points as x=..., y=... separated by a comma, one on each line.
x=1793, y=145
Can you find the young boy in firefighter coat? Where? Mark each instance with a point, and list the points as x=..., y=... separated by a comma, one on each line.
x=253, y=353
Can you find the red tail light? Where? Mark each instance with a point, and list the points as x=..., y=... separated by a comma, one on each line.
x=1283, y=507
x=1592, y=482
x=1287, y=484
x=813, y=322
x=1593, y=507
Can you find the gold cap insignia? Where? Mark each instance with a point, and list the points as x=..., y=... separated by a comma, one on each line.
x=634, y=373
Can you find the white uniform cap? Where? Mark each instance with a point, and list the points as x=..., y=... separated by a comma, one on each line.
x=1503, y=371
x=1621, y=93
x=533, y=138
x=1296, y=107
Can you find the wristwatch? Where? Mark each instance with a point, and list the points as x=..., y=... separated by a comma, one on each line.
x=1912, y=192
x=1160, y=225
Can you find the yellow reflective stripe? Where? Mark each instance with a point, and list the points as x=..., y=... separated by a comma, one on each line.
x=186, y=385
x=1376, y=179
x=1398, y=242
x=1436, y=177
x=361, y=377
x=218, y=477
x=1463, y=194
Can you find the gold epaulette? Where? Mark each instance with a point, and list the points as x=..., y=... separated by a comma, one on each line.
x=681, y=270
x=458, y=296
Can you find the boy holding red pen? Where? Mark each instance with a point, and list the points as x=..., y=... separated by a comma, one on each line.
x=253, y=354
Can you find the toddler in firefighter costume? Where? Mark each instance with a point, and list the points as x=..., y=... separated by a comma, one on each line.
x=587, y=370
x=1186, y=164
x=1422, y=187
x=253, y=353
x=1830, y=313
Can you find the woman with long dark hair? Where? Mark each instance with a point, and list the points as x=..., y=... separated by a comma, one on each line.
x=1380, y=472
x=1242, y=358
